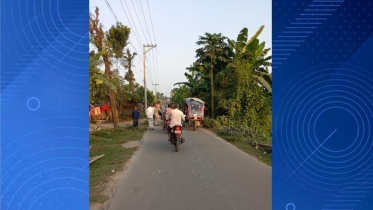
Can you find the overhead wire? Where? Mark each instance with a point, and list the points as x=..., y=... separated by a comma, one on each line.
x=156, y=76
x=156, y=50
x=113, y=13
x=139, y=21
x=146, y=23
x=129, y=21
x=149, y=73
x=134, y=25
x=149, y=63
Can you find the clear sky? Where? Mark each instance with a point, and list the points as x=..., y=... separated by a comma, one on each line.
x=177, y=26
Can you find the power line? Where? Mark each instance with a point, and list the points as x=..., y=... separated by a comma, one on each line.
x=111, y=10
x=156, y=51
x=129, y=21
x=113, y=13
x=146, y=24
x=149, y=75
x=139, y=21
x=156, y=77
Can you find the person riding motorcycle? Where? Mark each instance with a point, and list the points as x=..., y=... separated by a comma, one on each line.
x=176, y=117
x=167, y=111
x=165, y=115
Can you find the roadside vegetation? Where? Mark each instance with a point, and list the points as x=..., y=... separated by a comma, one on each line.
x=109, y=57
x=233, y=77
x=117, y=145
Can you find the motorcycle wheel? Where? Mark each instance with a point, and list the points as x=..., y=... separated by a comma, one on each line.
x=176, y=145
x=194, y=125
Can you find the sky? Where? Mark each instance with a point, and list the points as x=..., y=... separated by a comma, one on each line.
x=175, y=27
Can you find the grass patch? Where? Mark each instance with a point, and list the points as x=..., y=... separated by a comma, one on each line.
x=109, y=142
x=241, y=138
x=242, y=143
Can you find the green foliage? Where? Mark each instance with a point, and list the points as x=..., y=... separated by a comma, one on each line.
x=140, y=95
x=117, y=36
x=242, y=84
x=109, y=142
x=98, y=83
x=180, y=94
x=211, y=123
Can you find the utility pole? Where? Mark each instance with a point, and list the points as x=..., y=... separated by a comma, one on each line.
x=145, y=51
x=155, y=87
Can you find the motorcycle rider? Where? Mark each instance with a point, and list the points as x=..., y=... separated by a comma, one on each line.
x=176, y=117
x=167, y=117
x=167, y=111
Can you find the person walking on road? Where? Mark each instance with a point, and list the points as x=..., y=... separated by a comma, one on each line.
x=156, y=113
x=135, y=117
x=149, y=115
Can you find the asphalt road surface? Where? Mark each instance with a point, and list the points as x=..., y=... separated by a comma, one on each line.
x=206, y=173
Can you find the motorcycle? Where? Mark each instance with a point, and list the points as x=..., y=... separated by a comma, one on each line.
x=176, y=139
x=174, y=135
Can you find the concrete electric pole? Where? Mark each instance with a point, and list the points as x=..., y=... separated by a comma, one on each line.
x=145, y=51
x=155, y=87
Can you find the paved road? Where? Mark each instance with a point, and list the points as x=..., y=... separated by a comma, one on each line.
x=206, y=173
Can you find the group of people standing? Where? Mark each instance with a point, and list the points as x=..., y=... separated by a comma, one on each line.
x=154, y=113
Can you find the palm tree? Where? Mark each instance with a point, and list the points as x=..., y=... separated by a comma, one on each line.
x=213, y=50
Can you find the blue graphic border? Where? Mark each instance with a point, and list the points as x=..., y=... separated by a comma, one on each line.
x=43, y=99
x=322, y=104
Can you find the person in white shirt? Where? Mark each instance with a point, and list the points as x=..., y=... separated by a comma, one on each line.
x=176, y=116
x=149, y=115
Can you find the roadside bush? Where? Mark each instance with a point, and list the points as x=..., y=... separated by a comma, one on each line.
x=211, y=123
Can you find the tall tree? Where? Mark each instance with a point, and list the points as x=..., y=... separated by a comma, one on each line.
x=255, y=52
x=114, y=41
x=213, y=49
x=130, y=77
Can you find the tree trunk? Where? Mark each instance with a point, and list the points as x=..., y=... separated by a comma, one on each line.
x=131, y=77
x=212, y=89
x=112, y=95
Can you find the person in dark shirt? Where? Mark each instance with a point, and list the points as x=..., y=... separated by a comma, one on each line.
x=135, y=117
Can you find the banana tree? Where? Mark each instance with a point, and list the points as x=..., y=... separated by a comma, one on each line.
x=198, y=80
x=255, y=52
x=97, y=77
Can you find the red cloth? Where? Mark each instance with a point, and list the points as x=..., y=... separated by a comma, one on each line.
x=105, y=108
x=92, y=112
